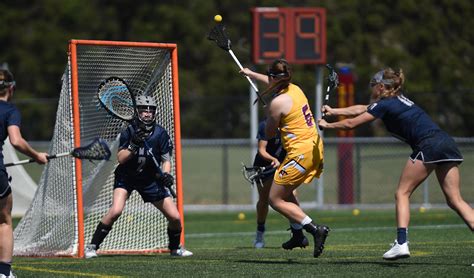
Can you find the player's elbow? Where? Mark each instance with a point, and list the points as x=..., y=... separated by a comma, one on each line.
x=16, y=142
x=350, y=124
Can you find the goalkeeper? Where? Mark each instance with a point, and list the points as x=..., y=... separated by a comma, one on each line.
x=10, y=127
x=137, y=171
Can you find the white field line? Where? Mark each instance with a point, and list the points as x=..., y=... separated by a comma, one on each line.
x=338, y=230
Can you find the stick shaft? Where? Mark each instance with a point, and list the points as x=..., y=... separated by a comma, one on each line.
x=26, y=161
x=240, y=66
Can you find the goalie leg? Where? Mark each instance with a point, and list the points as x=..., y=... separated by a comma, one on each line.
x=103, y=228
x=170, y=211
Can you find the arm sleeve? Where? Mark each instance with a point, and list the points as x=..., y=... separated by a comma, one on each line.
x=261, y=131
x=377, y=109
x=14, y=118
x=166, y=146
x=124, y=138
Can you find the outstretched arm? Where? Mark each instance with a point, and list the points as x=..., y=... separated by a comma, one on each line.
x=348, y=123
x=254, y=75
x=354, y=110
x=19, y=143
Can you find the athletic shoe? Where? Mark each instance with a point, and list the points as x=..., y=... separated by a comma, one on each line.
x=181, y=252
x=90, y=251
x=297, y=240
x=320, y=233
x=9, y=276
x=398, y=251
x=259, y=242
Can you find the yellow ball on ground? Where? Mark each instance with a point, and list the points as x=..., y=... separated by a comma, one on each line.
x=217, y=18
x=355, y=212
x=241, y=216
x=422, y=209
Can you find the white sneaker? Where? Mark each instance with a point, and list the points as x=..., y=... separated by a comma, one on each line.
x=181, y=252
x=259, y=242
x=398, y=251
x=90, y=251
x=9, y=276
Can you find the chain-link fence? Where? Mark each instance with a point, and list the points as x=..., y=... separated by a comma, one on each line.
x=361, y=172
x=357, y=172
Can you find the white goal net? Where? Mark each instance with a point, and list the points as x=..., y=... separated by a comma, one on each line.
x=73, y=195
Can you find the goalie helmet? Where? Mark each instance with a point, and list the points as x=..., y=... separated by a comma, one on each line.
x=146, y=104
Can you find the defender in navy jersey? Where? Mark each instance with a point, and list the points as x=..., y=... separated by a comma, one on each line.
x=137, y=171
x=433, y=149
x=10, y=121
x=270, y=154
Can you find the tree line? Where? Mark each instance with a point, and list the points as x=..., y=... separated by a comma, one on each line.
x=432, y=41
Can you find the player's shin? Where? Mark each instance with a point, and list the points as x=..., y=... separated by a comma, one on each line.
x=100, y=233
x=174, y=236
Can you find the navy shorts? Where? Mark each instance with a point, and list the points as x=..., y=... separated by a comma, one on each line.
x=438, y=147
x=153, y=192
x=5, y=188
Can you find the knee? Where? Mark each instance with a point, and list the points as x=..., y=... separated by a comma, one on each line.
x=114, y=214
x=402, y=194
x=5, y=217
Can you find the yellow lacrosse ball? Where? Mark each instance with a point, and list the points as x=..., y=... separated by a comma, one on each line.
x=241, y=216
x=217, y=18
x=355, y=212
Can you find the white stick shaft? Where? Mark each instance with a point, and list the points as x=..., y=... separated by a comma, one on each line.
x=26, y=161
x=240, y=66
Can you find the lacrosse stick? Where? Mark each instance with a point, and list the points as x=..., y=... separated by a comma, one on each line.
x=333, y=82
x=219, y=35
x=97, y=150
x=115, y=96
x=255, y=173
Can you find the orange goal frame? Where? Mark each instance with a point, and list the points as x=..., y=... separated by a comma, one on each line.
x=76, y=125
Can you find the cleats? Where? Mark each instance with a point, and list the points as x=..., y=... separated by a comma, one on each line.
x=297, y=240
x=398, y=251
x=259, y=242
x=320, y=233
x=9, y=276
x=319, y=236
x=181, y=252
x=90, y=251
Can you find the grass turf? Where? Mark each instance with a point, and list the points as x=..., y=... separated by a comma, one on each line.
x=440, y=244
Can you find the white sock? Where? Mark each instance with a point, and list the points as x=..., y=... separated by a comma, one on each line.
x=306, y=220
x=296, y=226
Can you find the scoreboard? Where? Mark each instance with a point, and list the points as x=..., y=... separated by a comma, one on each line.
x=295, y=34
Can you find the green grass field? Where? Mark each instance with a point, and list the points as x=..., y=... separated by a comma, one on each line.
x=441, y=246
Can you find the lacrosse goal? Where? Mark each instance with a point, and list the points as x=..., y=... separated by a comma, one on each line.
x=73, y=194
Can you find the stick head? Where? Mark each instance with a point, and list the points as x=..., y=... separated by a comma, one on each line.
x=97, y=150
x=219, y=35
x=116, y=97
x=333, y=78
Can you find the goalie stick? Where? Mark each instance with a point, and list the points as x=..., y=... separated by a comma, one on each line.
x=97, y=150
x=219, y=35
x=117, y=99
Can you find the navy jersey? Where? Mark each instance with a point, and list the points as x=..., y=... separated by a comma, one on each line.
x=9, y=115
x=403, y=119
x=141, y=167
x=274, y=147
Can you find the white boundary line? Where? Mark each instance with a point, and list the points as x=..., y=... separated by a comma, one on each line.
x=340, y=230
